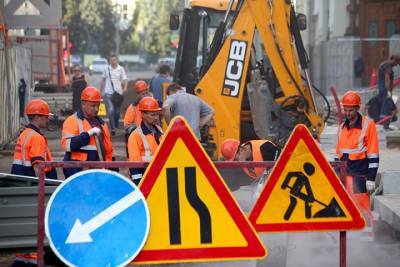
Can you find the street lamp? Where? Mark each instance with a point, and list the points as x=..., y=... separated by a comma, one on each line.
x=117, y=10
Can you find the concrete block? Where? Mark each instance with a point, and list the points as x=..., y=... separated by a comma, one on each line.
x=388, y=207
x=391, y=182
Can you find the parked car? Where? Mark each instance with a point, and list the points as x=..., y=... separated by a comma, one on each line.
x=98, y=65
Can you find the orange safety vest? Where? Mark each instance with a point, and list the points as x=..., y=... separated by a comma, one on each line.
x=132, y=116
x=74, y=126
x=141, y=147
x=31, y=148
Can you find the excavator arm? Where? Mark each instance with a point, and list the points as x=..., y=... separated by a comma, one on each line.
x=252, y=77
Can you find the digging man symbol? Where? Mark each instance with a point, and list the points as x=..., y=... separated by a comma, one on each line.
x=302, y=190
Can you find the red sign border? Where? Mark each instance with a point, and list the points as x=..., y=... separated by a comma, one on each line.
x=302, y=133
x=254, y=249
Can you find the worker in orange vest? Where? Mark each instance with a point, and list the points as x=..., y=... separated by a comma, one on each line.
x=144, y=140
x=32, y=147
x=85, y=136
x=254, y=150
x=358, y=145
x=133, y=116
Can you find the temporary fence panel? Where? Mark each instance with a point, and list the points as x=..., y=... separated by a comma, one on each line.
x=9, y=102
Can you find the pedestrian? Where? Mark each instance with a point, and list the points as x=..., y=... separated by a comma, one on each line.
x=32, y=147
x=358, y=146
x=113, y=85
x=79, y=83
x=144, y=140
x=158, y=82
x=196, y=112
x=21, y=95
x=385, y=87
x=85, y=136
x=253, y=150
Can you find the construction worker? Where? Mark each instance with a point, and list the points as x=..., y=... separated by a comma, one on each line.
x=85, y=136
x=133, y=116
x=31, y=147
x=358, y=146
x=254, y=150
x=144, y=140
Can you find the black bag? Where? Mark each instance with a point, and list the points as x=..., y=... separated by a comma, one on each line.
x=116, y=98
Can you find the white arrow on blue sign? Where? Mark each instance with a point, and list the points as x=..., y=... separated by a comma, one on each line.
x=97, y=218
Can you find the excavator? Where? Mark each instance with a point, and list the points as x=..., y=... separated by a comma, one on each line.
x=246, y=59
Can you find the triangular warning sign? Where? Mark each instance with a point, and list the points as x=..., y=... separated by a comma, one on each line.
x=193, y=216
x=303, y=192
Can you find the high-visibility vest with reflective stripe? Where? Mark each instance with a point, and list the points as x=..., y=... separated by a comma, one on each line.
x=358, y=143
x=31, y=147
x=132, y=116
x=141, y=147
x=73, y=127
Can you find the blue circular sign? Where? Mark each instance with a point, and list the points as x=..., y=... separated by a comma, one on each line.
x=97, y=218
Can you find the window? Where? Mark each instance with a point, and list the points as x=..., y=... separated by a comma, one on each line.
x=390, y=28
x=372, y=32
x=125, y=7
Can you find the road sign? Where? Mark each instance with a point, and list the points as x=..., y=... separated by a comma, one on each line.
x=97, y=218
x=303, y=192
x=194, y=216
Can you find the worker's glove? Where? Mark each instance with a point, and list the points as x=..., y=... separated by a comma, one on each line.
x=370, y=186
x=94, y=131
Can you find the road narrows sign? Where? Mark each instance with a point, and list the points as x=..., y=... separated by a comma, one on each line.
x=97, y=218
x=303, y=192
x=194, y=216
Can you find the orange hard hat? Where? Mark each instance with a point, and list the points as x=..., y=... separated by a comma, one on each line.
x=149, y=104
x=140, y=86
x=37, y=107
x=351, y=98
x=91, y=94
x=229, y=148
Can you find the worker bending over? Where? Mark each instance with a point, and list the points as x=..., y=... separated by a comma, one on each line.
x=85, y=136
x=32, y=147
x=144, y=140
x=254, y=150
x=358, y=146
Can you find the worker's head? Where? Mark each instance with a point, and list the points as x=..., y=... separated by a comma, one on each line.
x=309, y=168
x=395, y=60
x=113, y=60
x=150, y=110
x=164, y=69
x=173, y=88
x=90, y=99
x=351, y=102
x=141, y=89
x=229, y=148
x=38, y=112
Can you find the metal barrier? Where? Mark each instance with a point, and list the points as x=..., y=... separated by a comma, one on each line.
x=123, y=164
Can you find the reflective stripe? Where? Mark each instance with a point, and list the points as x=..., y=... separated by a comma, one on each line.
x=147, y=155
x=136, y=176
x=68, y=145
x=80, y=123
x=340, y=131
x=68, y=135
x=352, y=151
x=373, y=156
x=89, y=148
x=373, y=165
x=362, y=135
x=24, y=163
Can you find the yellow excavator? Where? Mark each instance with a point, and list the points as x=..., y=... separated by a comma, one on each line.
x=246, y=59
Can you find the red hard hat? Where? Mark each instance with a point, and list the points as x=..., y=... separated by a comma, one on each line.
x=229, y=148
x=37, y=107
x=91, y=94
x=351, y=98
x=140, y=86
x=149, y=104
